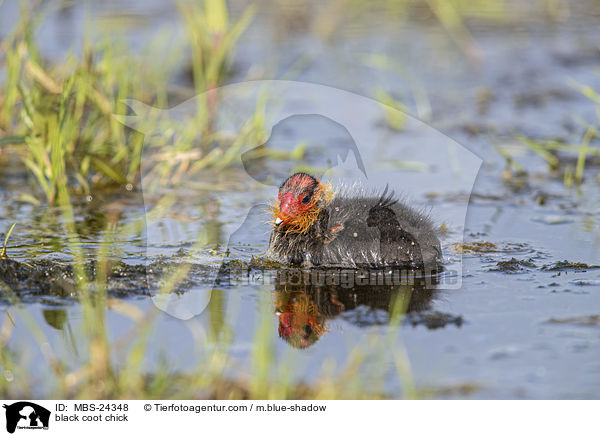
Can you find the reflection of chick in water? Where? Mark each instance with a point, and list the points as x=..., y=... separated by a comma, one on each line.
x=303, y=307
x=300, y=322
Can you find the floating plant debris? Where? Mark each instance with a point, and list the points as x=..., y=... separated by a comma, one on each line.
x=513, y=266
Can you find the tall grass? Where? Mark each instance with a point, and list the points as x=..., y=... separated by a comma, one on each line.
x=74, y=103
x=212, y=38
x=61, y=117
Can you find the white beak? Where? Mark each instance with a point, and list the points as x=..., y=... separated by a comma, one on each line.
x=278, y=221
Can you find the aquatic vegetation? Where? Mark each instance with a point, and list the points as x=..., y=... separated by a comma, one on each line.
x=60, y=118
x=513, y=266
x=553, y=152
x=3, y=252
x=566, y=265
x=558, y=154
x=435, y=320
x=454, y=16
x=212, y=38
x=475, y=247
x=589, y=320
x=394, y=110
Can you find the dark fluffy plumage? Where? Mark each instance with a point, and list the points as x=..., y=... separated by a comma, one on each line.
x=356, y=230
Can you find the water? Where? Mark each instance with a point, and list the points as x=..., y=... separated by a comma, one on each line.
x=497, y=333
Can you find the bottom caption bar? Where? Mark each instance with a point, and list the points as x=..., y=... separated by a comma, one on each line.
x=298, y=417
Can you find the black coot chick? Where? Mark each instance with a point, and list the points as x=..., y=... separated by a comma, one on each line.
x=348, y=228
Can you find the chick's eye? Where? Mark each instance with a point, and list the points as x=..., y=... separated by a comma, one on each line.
x=306, y=199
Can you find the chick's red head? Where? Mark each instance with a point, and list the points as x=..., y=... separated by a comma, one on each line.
x=299, y=201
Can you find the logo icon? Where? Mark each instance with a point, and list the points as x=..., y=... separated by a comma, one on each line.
x=331, y=133
x=26, y=415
